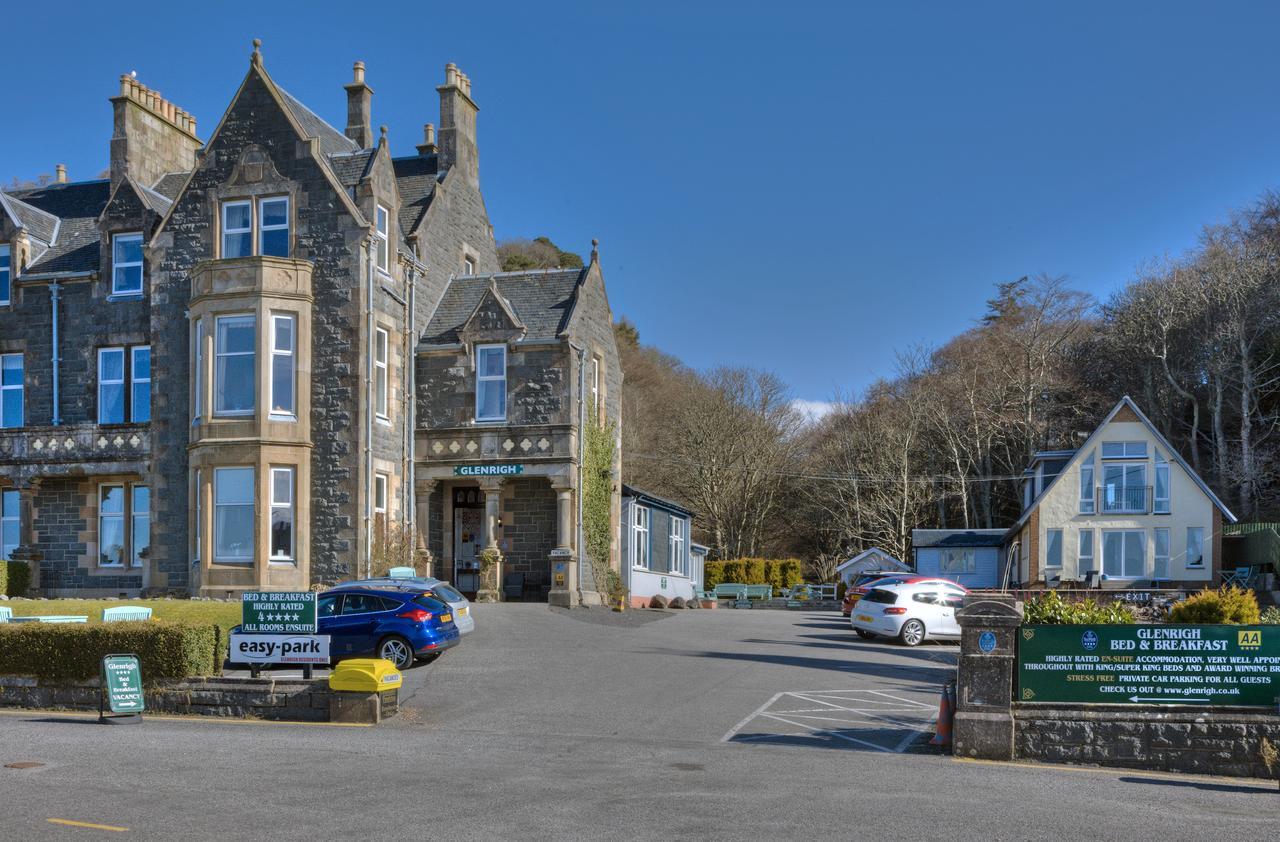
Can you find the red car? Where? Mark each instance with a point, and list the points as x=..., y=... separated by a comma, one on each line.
x=863, y=584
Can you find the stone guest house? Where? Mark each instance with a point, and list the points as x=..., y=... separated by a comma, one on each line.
x=254, y=360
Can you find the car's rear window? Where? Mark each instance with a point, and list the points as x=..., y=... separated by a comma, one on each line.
x=430, y=603
x=882, y=596
x=448, y=594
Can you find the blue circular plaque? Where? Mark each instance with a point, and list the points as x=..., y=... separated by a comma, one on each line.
x=1089, y=640
x=987, y=641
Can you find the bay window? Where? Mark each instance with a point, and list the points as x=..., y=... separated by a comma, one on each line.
x=237, y=229
x=491, y=382
x=234, y=373
x=126, y=264
x=233, y=515
x=282, y=514
x=11, y=389
x=198, y=379
x=283, y=341
x=111, y=526
x=199, y=509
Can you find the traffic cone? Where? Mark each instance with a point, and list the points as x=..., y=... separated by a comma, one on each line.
x=946, y=707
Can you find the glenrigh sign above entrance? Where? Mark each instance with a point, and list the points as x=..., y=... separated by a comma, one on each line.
x=488, y=470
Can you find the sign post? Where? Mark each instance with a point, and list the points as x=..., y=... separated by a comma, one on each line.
x=121, y=690
x=1143, y=665
x=279, y=612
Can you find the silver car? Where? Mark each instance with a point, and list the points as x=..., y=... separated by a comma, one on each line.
x=441, y=590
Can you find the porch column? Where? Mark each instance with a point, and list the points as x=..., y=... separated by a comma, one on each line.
x=27, y=550
x=564, y=567
x=422, y=539
x=492, y=489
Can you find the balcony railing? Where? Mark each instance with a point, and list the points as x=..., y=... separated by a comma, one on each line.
x=1124, y=499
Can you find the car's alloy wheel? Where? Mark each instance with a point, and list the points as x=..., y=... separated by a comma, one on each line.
x=397, y=651
x=912, y=633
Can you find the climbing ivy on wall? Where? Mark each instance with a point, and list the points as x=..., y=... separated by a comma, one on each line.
x=597, y=502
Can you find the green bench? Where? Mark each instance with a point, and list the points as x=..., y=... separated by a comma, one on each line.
x=730, y=590
x=759, y=591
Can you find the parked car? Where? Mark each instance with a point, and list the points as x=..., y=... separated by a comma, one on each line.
x=396, y=623
x=463, y=613
x=866, y=581
x=913, y=612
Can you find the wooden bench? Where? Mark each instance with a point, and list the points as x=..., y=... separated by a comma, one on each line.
x=126, y=613
x=52, y=618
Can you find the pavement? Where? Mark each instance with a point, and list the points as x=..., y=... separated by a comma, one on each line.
x=547, y=724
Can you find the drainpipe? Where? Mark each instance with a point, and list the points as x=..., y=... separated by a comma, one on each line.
x=368, y=407
x=55, y=290
x=411, y=415
x=582, y=457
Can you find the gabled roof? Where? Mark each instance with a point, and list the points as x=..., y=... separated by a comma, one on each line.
x=416, y=177
x=654, y=500
x=39, y=224
x=925, y=538
x=541, y=299
x=350, y=167
x=78, y=242
x=1125, y=402
x=492, y=294
x=171, y=184
x=875, y=554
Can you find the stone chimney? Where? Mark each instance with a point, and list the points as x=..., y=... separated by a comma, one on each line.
x=458, y=125
x=428, y=145
x=151, y=135
x=359, y=108
x=61, y=177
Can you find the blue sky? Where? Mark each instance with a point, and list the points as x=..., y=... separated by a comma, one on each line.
x=800, y=187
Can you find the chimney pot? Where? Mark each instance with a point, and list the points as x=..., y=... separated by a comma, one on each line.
x=359, y=109
x=428, y=145
x=61, y=170
x=359, y=73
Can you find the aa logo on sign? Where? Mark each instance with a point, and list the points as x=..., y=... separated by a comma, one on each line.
x=1249, y=639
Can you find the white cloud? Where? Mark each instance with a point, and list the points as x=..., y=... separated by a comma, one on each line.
x=813, y=410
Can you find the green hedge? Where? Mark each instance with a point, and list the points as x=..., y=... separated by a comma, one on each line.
x=15, y=578
x=1228, y=605
x=73, y=651
x=1049, y=608
x=781, y=573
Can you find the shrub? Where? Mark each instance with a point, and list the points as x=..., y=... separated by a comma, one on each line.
x=15, y=578
x=74, y=651
x=1271, y=616
x=780, y=573
x=1232, y=605
x=1051, y=609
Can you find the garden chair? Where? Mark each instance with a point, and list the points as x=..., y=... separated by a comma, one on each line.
x=402, y=573
x=126, y=613
x=1240, y=577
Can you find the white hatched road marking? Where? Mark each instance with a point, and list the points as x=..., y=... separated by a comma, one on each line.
x=860, y=710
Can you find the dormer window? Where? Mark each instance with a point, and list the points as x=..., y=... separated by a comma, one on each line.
x=237, y=229
x=272, y=229
x=491, y=383
x=384, y=238
x=5, y=275
x=273, y=222
x=126, y=264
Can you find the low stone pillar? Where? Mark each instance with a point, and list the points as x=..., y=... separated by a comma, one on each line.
x=984, y=686
x=422, y=525
x=367, y=708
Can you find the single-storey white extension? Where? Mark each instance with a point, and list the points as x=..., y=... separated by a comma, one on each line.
x=869, y=561
x=657, y=554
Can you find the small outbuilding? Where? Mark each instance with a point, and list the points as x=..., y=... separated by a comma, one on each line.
x=970, y=557
x=873, y=560
x=657, y=555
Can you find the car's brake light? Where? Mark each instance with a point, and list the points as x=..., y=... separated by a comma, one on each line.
x=895, y=611
x=417, y=615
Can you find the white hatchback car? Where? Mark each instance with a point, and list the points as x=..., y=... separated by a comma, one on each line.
x=912, y=612
x=463, y=617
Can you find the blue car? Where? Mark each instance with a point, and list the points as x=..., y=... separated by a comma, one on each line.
x=399, y=624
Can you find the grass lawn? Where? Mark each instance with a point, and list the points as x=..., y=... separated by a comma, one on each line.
x=225, y=614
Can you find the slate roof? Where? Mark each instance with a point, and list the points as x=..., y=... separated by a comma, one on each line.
x=78, y=206
x=154, y=200
x=170, y=183
x=332, y=141
x=921, y=538
x=542, y=299
x=654, y=500
x=416, y=179
x=350, y=167
x=39, y=224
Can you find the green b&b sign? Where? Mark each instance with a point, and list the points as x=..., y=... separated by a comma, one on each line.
x=1132, y=664
x=122, y=684
x=278, y=612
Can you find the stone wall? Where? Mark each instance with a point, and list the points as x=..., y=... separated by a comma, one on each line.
x=1204, y=740
x=529, y=527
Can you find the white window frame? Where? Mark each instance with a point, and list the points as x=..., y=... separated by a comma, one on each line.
x=19, y=387
x=1142, y=533
x=226, y=230
x=199, y=510
x=198, y=379
x=1123, y=494
x=103, y=383
x=10, y=513
x=252, y=504
x=967, y=555
x=1160, y=505
x=218, y=353
x=1130, y=450
x=468, y=265
x=290, y=414
x=1197, y=564
x=595, y=385
x=676, y=546
x=491, y=378
x=288, y=506
x=263, y=227
x=1049, y=561
x=1088, y=488
x=640, y=534
x=135, y=519
x=135, y=380
x=6, y=275
x=117, y=266
x=1158, y=534
x=1086, y=555
x=382, y=225
x=381, y=487
x=381, y=383
x=121, y=516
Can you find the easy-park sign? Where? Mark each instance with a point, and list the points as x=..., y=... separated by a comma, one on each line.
x=488, y=470
x=1150, y=664
x=278, y=612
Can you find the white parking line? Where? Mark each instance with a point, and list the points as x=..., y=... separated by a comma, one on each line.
x=735, y=729
x=828, y=732
x=859, y=709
